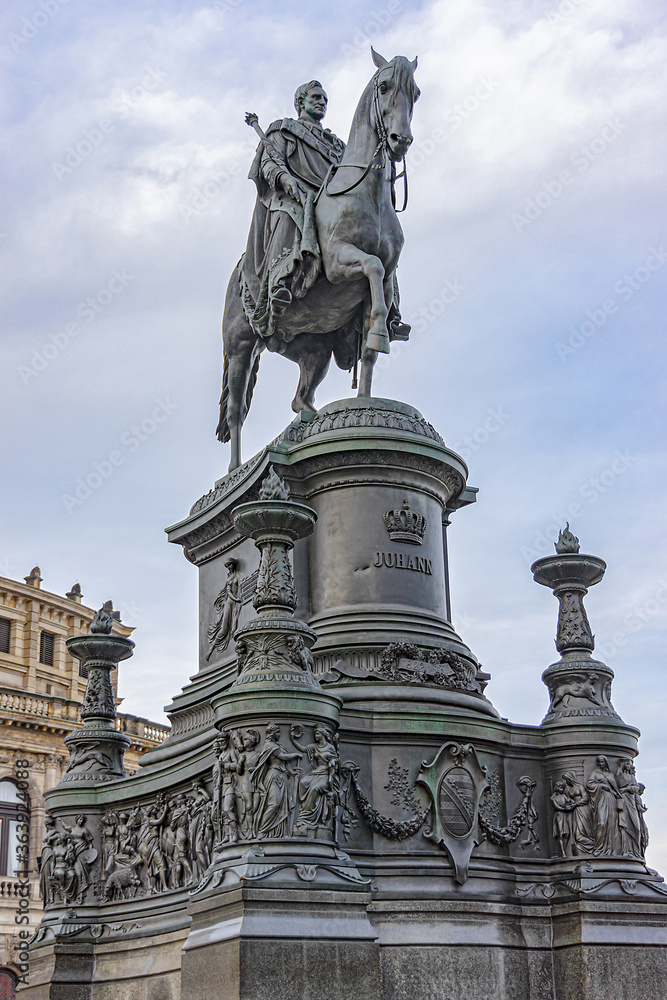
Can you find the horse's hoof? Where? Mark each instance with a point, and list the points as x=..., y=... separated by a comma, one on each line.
x=301, y=406
x=378, y=342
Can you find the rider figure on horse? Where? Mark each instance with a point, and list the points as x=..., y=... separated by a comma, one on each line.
x=283, y=259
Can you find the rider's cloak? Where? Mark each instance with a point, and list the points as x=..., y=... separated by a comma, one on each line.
x=282, y=258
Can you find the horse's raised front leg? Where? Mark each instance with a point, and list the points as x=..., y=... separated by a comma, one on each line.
x=349, y=265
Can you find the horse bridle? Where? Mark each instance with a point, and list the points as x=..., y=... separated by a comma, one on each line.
x=382, y=146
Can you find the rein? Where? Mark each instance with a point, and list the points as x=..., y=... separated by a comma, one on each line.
x=382, y=146
x=335, y=167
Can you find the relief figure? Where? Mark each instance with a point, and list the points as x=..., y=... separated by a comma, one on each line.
x=228, y=607
x=63, y=879
x=562, y=824
x=201, y=832
x=150, y=846
x=273, y=778
x=248, y=795
x=109, y=829
x=46, y=860
x=225, y=776
x=318, y=790
x=607, y=804
x=581, y=823
x=84, y=854
x=634, y=833
x=181, y=870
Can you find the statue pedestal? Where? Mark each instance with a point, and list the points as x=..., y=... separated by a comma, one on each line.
x=339, y=809
x=370, y=580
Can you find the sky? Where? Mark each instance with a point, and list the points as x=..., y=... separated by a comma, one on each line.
x=533, y=274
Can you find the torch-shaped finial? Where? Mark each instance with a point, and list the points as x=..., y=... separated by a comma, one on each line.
x=579, y=685
x=569, y=575
x=96, y=750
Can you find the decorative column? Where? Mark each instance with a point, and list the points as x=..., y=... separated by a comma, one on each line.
x=579, y=686
x=96, y=750
x=277, y=801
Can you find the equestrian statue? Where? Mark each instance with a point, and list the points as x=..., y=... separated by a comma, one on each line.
x=318, y=277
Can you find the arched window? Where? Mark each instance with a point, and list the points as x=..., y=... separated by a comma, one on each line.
x=14, y=830
x=7, y=985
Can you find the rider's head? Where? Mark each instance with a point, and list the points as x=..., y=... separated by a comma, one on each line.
x=310, y=101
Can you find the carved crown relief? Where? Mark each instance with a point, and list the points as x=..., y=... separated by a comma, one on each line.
x=405, y=525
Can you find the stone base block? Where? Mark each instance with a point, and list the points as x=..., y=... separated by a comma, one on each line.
x=282, y=945
x=610, y=952
x=487, y=951
x=134, y=965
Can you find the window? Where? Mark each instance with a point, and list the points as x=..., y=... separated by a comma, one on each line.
x=14, y=826
x=5, y=637
x=46, y=640
x=7, y=985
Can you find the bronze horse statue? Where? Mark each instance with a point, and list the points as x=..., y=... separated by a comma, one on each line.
x=345, y=311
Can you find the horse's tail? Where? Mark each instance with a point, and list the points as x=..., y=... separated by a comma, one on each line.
x=222, y=430
x=252, y=379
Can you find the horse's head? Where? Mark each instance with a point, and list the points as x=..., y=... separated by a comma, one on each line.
x=395, y=93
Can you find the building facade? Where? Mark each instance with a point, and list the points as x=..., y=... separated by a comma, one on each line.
x=41, y=692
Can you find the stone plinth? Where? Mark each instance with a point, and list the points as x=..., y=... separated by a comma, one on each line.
x=370, y=580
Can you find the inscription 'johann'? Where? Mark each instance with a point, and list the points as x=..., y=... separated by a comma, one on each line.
x=400, y=560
